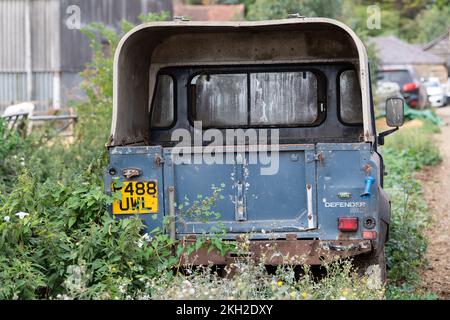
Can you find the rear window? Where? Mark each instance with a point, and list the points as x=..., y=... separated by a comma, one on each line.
x=163, y=103
x=255, y=99
x=221, y=99
x=288, y=98
x=432, y=84
x=350, y=104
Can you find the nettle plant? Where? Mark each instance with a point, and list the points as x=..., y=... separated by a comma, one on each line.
x=202, y=210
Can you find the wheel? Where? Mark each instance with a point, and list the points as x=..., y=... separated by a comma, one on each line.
x=372, y=265
x=375, y=261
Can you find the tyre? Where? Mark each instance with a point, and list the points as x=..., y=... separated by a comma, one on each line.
x=375, y=261
x=372, y=265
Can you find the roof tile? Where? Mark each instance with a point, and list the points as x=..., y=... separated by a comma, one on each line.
x=392, y=50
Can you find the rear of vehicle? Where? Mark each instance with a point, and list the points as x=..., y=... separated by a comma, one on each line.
x=411, y=88
x=227, y=128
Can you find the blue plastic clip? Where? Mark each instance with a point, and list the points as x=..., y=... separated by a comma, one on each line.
x=369, y=182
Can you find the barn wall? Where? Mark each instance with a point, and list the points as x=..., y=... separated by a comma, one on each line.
x=44, y=35
x=442, y=49
x=75, y=51
x=58, y=54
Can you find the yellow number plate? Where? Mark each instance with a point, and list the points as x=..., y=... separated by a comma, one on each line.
x=137, y=197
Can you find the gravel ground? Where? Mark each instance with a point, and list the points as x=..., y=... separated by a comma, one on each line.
x=436, y=187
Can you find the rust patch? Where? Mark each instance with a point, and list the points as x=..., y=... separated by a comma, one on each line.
x=291, y=237
x=277, y=252
x=343, y=236
x=367, y=168
x=158, y=160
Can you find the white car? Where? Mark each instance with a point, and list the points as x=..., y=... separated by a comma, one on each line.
x=448, y=91
x=436, y=93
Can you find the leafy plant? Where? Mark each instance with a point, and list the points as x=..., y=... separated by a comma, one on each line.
x=404, y=154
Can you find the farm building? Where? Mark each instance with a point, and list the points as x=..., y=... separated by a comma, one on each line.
x=42, y=49
x=440, y=47
x=393, y=51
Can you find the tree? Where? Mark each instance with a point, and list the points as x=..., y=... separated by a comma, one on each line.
x=269, y=9
x=432, y=23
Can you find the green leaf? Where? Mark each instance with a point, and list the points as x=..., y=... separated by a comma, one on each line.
x=72, y=221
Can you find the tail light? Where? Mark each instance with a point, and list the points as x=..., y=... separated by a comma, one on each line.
x=369, y=234
x=413, y=103
x=348, y=224
x=410, y=86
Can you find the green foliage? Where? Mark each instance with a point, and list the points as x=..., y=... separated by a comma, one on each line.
x=268, y=9
x=411, y=20
x=404, y=154
x=432, y=23
x=13, y=154
x=417, y=21
x=339, y=283
x=408, y=292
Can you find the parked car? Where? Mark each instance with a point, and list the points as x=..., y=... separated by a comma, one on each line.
x=412, y=89
x=384, y=91
x=448, y=92
x=436, y=92
x=194, y=104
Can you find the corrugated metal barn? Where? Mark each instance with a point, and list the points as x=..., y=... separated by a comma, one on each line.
x=42, y=49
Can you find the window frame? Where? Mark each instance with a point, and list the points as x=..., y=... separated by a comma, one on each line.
x=248, y=70
x=338, y=100
x=175, y=103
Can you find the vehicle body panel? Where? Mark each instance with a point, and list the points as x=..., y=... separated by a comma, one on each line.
x=250, y=200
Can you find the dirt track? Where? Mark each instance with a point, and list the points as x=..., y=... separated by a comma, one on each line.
x=436, y=187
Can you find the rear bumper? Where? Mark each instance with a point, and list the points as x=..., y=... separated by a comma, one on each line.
x=277, y=252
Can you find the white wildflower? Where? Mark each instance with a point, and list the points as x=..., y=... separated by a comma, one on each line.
x=6, y=218
x=22, y=215
x=146, y=237
x=187, y=283
x=122, y=288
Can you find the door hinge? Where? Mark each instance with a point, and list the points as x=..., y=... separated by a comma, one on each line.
x=318, y=156
x=158, y=160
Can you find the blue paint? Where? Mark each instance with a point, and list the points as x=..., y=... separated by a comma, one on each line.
x=274, y=204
